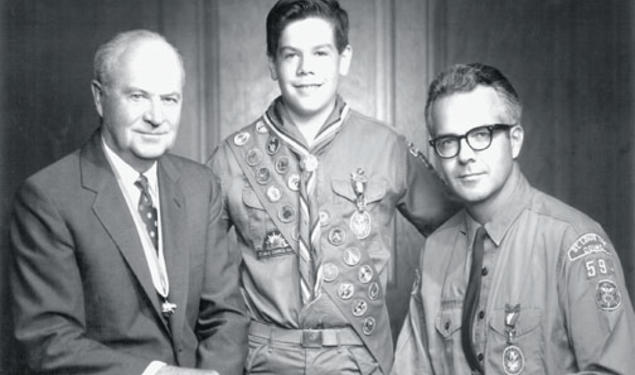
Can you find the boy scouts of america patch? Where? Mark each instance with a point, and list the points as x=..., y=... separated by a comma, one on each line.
x=513, y=360
x=274, y=244
x=588, y=243
x=607, y=295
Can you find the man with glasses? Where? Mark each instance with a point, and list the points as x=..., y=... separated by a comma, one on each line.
x=517, y=282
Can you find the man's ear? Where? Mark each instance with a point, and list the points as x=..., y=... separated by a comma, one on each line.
x=345, y=59
x=516, y=137
x=98, y=93
x=272, y=68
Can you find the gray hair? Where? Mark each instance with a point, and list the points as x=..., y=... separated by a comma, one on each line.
x=107, y=55
x=462, y=78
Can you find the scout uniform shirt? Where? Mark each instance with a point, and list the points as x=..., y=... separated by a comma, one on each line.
x=553, y=297
x=260, y=175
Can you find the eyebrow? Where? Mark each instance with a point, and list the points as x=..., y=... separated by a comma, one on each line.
x=325, y=45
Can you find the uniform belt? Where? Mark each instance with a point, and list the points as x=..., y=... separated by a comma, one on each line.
x=307, y=338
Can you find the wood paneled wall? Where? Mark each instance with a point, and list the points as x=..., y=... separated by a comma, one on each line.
x=570, y=61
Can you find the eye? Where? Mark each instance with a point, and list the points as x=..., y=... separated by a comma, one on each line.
x=446, y=142
x=479, y=134
x=288, y=55
x=171, y=99
x=322, y=53
x=136, y=96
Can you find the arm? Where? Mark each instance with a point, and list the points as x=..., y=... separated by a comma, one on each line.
x=48, y=298
x=599, y=315
x=222, y=324
x=426, y=201
x=411, y=356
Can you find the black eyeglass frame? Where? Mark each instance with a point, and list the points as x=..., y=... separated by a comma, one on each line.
x=490, y=128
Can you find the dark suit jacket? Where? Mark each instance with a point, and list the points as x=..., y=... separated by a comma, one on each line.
x=83, y=297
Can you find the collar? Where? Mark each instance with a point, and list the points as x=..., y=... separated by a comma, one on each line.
x=126, y=173
x=500, y=224
x=276, y=113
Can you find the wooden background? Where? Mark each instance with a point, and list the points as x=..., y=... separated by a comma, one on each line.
x=570, y=60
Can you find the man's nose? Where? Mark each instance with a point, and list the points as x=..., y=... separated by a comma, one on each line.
x=466, y=153
x=154, y=114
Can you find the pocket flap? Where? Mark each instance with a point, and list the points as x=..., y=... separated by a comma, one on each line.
x=448, y=321
x=250, y=199
x=375, y=190
x=528, y=320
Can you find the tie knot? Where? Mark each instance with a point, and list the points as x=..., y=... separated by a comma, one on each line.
x=142, y=183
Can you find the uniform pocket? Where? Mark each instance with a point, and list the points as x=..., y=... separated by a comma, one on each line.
x=450, y=355
x=257, y=354
x=258, y=222
x=525, y=355
x=375, y=190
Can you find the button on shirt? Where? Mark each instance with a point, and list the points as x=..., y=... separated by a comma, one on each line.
x=126, y=177
x=554, y=262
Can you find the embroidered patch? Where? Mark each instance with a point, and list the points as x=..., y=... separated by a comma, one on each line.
x=607, y=295
x=588, y=243
x=598, y=267
x=274, y=244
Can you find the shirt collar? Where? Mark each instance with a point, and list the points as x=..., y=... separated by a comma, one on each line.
x=502, y=221
x=126, y=173
x=276, y=111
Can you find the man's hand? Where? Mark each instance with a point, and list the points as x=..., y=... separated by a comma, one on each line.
x=172, y=370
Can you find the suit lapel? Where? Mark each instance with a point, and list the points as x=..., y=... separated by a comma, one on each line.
x=173, y=229
x=112, y=211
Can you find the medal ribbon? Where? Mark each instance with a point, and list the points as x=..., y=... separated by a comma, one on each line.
x=309, y=218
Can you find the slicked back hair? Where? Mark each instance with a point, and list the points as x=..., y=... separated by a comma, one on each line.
x=107, y=55
x=463, y=78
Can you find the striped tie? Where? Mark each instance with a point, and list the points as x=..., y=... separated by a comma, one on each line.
x=309, y=219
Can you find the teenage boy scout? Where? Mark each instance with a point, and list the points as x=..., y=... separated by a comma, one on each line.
x=312, y=189
x=517, y=282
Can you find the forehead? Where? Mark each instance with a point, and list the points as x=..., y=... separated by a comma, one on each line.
x=307, y=32
x=149, y=65
x=459, y=112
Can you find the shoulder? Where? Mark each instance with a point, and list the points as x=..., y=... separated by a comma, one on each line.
x=366, y=124
x=577, y=233
x=59, y=176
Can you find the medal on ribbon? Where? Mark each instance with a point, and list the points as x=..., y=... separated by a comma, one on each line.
x=513, y=357
x=167, y=308
x=360, y=222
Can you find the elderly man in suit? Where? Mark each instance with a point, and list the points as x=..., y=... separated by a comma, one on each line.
x=119, y=263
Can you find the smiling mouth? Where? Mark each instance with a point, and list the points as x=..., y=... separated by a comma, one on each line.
x=308, y=86
x=471, y=176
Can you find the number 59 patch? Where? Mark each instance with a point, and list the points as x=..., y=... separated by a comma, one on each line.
x=598, y=267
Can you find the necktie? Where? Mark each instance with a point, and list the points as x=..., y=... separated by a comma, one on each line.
x=147, y=211
x=308, y=228
x=470, y=304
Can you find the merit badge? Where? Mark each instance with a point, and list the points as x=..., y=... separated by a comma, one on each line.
x=368, y=326
x=241, y=138
x=273, y=145
x=330, y=272
x=273, y=193
x=281, y=164
x=274, y=240
x=513, y=358
x=309, y=163
x=324, y=218
x=365, y=274
x=336, y=236
x=274, y=244
x=360, y=221
x=294, y=182
x=254, y=157
x=167, y=308
x=607, y=295
x=345, y=290
x=261, y=127
x=351, y=256
x=373, y=291
x=286, y=214
x=359, y=307
x=263, y=176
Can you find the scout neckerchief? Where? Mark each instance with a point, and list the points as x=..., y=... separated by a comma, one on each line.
x=309, y=218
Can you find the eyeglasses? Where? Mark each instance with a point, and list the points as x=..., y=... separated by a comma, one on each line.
x=479, y=138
